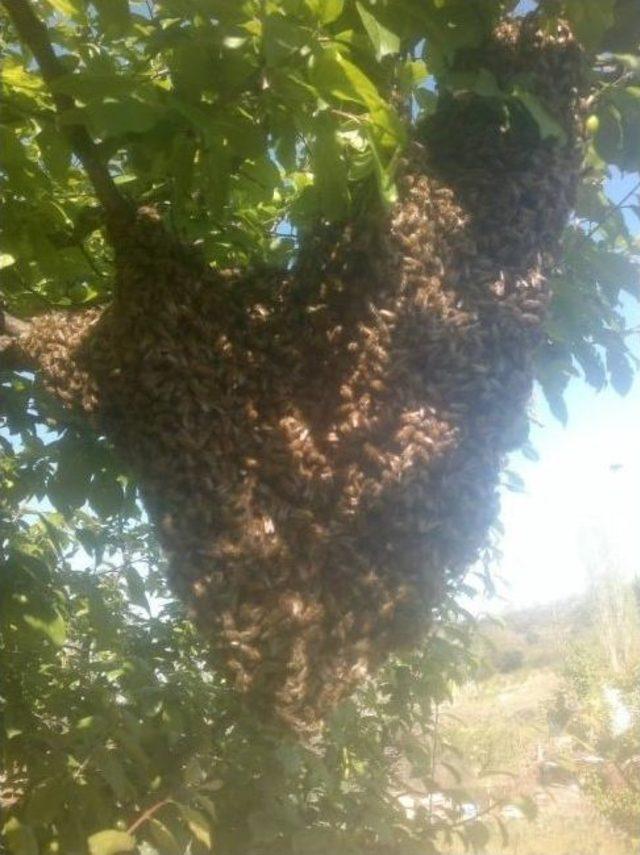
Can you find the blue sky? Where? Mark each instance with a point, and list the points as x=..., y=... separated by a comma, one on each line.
x=573, y=498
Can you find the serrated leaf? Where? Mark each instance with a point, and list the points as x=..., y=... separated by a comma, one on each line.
x=110, y=842
x=197, y=824
x=164, y=838
x=615, y=271
x=383, y=40
x=529, y=452
x=558, y=407
x=113, y=772
x=136, y=587
x=55, y=628
x=608, y=138
x=591, y=364
x=620, y=370
x=206, y=803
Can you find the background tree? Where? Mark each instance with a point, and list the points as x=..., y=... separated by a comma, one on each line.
x=243, y=125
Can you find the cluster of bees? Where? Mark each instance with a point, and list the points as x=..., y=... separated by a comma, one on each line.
x=320, y=450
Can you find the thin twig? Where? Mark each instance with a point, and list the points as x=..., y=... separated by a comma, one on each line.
x=616, y=207
x=147, y=815
x=33, y=33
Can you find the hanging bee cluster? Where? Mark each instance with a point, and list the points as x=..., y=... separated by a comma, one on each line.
x=320, y=451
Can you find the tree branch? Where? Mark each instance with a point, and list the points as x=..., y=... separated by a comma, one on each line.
x=13, y=327
x=612, y=210
x=34, y=35
x=11, y=355
x=147, y=815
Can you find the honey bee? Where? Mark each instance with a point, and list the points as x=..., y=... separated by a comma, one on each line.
x=313, y=451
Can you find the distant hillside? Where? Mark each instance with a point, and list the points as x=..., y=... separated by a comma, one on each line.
x=532, y=638
x=537, y=725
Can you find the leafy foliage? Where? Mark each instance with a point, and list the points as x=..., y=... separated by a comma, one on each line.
x=599, y=706
x=243, y=123
x=118, y=731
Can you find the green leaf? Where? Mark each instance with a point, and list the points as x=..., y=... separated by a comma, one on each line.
x=336, y=77
x=197, y=824
x=590, y=19
x=513, y=481
x=93, y=85
x=206, y=804
x=44, y=802
x=106, y=494
x=6, y=260
x=384, y=175
x=66, y=7
x=56, y=153
x=14, y=75
x=630, y=61
x=113, y=772
x=110, y=842
x=608, y=138
x=481, y=82
x=616, y=271
x=383, y=40
x=547, y=125
x=326, y=10
x=620, y=370
x=591, y=363
x=54, y=628
x=69, y=487
x=20, y=838
x=412, y=74
x=330, y=171
x=135, y=587
x=116, y=117
x=114, y=15
x=164, y=838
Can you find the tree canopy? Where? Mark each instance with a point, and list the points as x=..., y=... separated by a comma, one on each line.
x=243, y=125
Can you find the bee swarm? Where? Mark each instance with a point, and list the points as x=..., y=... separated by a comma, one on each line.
x=320, y=450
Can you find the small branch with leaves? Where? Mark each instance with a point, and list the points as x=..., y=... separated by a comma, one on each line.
x=34, y=35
